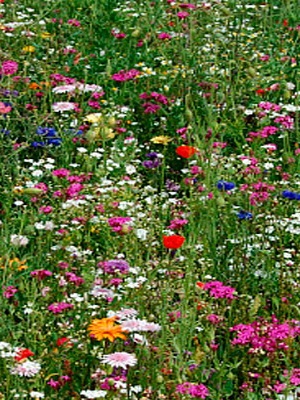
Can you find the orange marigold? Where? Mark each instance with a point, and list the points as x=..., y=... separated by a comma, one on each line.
x=105, y=328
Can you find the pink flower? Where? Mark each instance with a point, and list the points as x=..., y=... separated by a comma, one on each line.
x=46, y=209
x=9, y=291
x=57, y=308
x=61, y=173
x=40, y=274
x=9, y=67
x=182, y=14
x=199, y=391
x=123, y=76
x=164, y=36
x=150, y=108
x=74, y=22
x=219, y=291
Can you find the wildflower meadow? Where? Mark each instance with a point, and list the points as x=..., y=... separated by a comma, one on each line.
x=149, y=203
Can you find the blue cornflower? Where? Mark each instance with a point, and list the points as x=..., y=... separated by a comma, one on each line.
x=223, y=185
x=38, y=144
x=244, y=215
x=291, y=195
x=49, y=132
x=54, y=141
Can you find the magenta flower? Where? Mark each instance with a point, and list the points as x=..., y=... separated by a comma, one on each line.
x=164, y=36
x=182, y=14
x=120, y=224
x=199, y=391
x=123, y=76
x=219, y=291
x=9, y=291
x=9, y=67
x=40, y=274
x=57, y=308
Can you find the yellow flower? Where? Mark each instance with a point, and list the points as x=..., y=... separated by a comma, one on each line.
x=29, y=49
x=14, y=263
x=105, y=328
x=45, y=35
x=93, y=118
x=161, y=140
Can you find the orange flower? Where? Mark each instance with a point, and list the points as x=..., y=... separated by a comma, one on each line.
x=105, y=328
x=186, y=151
x=34, y=86
x=173, y=241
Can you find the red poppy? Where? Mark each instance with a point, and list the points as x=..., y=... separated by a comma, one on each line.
x=173, y=241
x=186, y=151
x=23, y=354
x=200, y=285
x=260, y=92
x=63, y=340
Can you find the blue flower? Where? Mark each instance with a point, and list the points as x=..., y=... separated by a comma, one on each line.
x=223, y=185
x=244, y=215
x=291, y=195
x=54, y=141
x=38, y=144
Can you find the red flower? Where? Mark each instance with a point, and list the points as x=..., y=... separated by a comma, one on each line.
x=260, y=92
x=200, y=285
x=186, y=151
x=23, y=354
x=173, y=241
x=62, y=341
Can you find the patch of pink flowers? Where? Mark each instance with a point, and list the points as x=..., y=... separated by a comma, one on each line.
x=9, y=67
x=218, y=290
x=58, y=308
x=120, y=224
x=198, y=391
x=265, y=335
x=123, y=76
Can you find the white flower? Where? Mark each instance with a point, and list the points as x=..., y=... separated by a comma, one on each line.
x=64, y=89
x=37, y=395
x=19, y=240
x=290, y=86
x=130, y=169
x=27, y=369
x=93, y=394
x=141, y=234
x=63, y=106
x=120, y=359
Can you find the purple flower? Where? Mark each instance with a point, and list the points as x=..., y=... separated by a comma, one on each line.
x=114, y=266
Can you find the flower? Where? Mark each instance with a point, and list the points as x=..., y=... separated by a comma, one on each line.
x=23, y=354
x=290, y=195
x=186, y=151
x=105, y=328
x=19, y=240
x=93, y=394
x=120, y=359
x=223, y=185
x=173, y=241
x=244, y=215
x=161, y=140
x=62, y=106
x=9, y=67
x=199, y=391
x=27, y=369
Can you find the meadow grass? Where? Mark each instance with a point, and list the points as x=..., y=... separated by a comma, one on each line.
x=149, y=210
